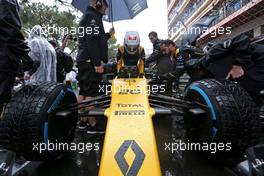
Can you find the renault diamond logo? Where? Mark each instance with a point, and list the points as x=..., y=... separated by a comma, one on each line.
x=138, y=161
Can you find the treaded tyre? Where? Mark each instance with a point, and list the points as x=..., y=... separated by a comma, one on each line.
x=232, y=116
x=5, y=133
x=34, y=123
x=9, y=123
x=249, y=115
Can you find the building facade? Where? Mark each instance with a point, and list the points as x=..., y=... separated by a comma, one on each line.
x=233, y=17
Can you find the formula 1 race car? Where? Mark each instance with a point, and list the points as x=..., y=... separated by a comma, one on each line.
x=47, y=113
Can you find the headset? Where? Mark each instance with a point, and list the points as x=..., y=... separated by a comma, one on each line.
x=98, y=4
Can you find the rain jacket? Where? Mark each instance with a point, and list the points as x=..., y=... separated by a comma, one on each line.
x=13, y=48
x=93, y=45
x=42, y=53
x=237, y=51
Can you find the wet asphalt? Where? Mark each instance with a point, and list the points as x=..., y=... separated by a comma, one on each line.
x=167, y=130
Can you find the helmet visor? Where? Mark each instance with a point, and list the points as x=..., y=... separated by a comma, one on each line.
x=132, y=49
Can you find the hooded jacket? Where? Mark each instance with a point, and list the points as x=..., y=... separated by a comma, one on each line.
x=43, y=53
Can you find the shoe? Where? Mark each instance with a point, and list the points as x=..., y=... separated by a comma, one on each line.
x=95, y=130
x=82, y=125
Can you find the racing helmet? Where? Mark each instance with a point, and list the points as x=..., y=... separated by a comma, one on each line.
x=131, y=42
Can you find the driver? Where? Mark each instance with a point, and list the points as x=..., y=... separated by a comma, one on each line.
x=131, y=51
x=130, y=54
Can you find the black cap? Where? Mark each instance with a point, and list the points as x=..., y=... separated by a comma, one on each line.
x=168, y=42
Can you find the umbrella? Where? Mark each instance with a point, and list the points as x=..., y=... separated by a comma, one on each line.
x=118, y=9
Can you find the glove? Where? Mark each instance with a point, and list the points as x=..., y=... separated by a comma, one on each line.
x=109, y=68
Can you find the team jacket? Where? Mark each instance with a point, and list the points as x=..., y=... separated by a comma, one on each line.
x=13, y=48
x=92, y=44
x=238, y=51
x=156, y=53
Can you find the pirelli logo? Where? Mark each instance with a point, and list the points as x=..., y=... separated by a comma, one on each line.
x=130, y=113
x=122, y=162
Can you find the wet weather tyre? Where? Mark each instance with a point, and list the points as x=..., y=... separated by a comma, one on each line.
x=12, y=115
x=5, y=133
x=230, y=115
x=40, y=126
x=249, y=115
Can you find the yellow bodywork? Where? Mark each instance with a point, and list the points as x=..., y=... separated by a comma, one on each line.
x=130, y=146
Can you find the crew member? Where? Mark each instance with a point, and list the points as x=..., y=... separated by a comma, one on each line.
x=64, y=60
x=92, y=51
x=156, y=54
x=241, y=60
x=14, y=60
x=44, y=57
